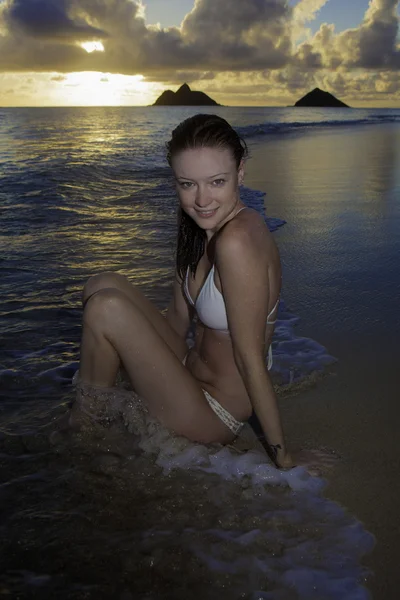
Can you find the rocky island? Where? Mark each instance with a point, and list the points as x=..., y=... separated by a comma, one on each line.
x=320, y=98
x=184, y=97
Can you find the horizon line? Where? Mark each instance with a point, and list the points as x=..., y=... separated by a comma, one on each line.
x=191, y=106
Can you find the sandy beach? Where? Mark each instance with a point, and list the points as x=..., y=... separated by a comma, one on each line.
x=354, y=411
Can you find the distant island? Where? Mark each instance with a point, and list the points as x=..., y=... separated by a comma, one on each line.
x=184, y=97
x=320, y=98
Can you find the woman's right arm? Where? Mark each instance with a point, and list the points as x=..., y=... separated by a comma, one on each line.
x=179, y=313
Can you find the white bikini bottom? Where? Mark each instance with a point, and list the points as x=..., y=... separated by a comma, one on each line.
x=234, y=425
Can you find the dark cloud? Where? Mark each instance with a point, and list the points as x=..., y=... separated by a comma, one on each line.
x=245, y=35
x=121, y=19
x=232, y=20
x=216, y=35
x=48, y=19
x=22, y=54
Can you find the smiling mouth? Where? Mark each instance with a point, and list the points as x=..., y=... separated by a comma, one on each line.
x=206, y=213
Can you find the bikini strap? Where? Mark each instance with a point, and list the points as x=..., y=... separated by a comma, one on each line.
x=270, y=358
x=240, y=209
x=272, y=311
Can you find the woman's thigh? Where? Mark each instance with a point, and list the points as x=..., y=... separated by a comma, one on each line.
x=172, y=394
x=151, y=312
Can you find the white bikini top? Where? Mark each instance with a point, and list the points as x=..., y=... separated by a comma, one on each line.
x=210, y=305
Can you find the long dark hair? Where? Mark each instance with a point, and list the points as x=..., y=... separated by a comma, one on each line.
x=199, y=131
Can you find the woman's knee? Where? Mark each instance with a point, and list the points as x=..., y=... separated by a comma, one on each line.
x=105, y=280
x=103, y=307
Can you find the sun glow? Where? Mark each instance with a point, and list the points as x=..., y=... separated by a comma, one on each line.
x=92, y=88
x=92, y=46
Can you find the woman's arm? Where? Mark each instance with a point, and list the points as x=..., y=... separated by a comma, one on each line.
x=179, y=313
x=263, y=399
x=243, y=257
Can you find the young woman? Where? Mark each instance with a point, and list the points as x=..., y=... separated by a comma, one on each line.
x=228, y=273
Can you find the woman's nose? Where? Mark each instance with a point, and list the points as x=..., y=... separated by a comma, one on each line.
x=202, y=197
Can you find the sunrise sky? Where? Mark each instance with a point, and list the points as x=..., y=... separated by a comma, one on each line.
x=240, y=52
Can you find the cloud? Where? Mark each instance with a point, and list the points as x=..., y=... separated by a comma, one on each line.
x=217, y=35
x=251, y=34
x=265, y=43
x=372, y=45
x=378, y=36
x=306, y=10
x=47, y=19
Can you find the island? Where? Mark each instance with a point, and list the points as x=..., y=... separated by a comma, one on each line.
x=184, y=97
x=320, y=98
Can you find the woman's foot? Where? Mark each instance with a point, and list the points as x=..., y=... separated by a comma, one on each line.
x=93, y=409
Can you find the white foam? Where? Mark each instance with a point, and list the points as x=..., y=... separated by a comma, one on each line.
x=295, y=357
x=274, y=526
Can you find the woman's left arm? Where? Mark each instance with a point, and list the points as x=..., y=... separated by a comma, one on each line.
x=242, y=264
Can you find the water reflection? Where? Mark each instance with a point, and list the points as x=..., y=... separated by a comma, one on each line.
x=338, y=194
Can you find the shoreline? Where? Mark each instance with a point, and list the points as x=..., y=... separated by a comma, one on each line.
x=353, y=411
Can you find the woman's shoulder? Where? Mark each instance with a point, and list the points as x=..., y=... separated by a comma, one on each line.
x=246, y=246
x=247, y=228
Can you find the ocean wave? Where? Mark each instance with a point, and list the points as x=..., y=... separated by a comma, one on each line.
x=278, y=128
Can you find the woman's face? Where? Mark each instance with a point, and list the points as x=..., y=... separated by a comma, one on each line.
x=207, y=183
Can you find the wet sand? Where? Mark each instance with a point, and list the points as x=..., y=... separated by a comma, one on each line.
x=348, y=302
x=355, y=413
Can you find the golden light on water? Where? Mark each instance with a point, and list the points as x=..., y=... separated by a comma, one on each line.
x=92, y=46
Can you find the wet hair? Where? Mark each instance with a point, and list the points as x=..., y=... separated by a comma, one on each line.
x=199, y=131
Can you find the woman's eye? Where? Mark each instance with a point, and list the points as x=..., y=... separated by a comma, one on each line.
x=218, y=181
x=185, y=184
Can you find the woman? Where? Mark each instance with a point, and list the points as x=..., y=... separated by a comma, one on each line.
x=228, y=272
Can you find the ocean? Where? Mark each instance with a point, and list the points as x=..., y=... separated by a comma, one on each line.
x=85, y=190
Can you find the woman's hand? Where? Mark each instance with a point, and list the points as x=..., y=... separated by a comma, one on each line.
x=280, y=456
x=284, y=461
x=317, y=462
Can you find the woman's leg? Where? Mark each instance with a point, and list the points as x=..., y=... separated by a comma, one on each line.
x=115, y=329
x=151, y=312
